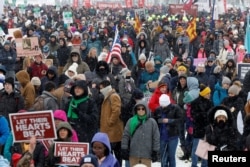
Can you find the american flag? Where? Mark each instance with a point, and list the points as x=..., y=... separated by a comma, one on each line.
x=116, y=49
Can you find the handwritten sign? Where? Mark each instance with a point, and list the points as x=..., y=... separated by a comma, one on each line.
x=70, y=153
x=27, y=46
x=39, y=124
x=242, y=69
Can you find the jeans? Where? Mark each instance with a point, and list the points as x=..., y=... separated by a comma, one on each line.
x=195, y=157
x=182, y=132
x=127, y=163
x=168, y=150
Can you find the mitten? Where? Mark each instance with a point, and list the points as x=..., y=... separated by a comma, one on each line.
x=154, y=156
x=125, y=154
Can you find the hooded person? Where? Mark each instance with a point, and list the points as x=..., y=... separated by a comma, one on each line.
x=51, y=75
x=27, y=89
x=71, y=72
x=220, y=131
x=141, y=123
x=104, y=155
x=75, y=57
x=64, y=134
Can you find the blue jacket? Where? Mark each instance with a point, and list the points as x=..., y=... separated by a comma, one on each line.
x=219, y=94
x=8, y=59
x=4, y=130
x=110, y=160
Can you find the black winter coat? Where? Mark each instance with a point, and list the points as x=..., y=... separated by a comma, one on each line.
x=174, y=114
x=199, y=112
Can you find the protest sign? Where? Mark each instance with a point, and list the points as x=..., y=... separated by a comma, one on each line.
x=27, y=47
x=67, y=17
x=39, y=124
x=242, y=69
x=178, y=9
x=12, y=30
x=70, y=153
x=199, y=60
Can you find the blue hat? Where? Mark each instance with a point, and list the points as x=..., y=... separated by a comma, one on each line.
x=89, y=159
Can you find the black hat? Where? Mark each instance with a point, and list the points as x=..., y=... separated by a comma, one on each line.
x=10, y=80
x=137, y=94
x=89, y=159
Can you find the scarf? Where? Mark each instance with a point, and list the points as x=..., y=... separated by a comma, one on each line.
x=73, y=105
x=105, y=91
x=135, y=122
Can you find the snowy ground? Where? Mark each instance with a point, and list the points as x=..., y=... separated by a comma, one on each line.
x=179, y=163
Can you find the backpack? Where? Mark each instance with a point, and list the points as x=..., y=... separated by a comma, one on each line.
x=40, y=103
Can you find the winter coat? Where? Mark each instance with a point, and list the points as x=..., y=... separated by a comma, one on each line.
x=10, y=103
x=219, y=94
x=27, y=89
x=82, y=66
x=145, y=77
x=136, y=72
x=38, y=70
x=51, y=103
x=162, y=50
x=246, y=83
x=213, y=79
x=202, y=78
x=220, y=137
x=8, y=59
x=147, y=132
x=199, y=112
x=63, y=53
x=124, y=91
x=88, y=116
x=45, y=79
x=110, y=121
x=129, y=59
x=174, y=115
x=109, y=160
x=92, y=62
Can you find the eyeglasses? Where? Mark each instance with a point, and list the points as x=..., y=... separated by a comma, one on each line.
x=140, y=108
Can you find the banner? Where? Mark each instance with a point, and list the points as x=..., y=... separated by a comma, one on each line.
x=141, y=3
x=178, y=9
x=38, y=123
x=129, y=3
x=70, y=153
x=103, y=5
x=27, y=47
x=87, y=3
x=242, y=69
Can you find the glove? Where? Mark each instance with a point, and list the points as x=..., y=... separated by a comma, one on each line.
x=125, y=154
x=154, y=156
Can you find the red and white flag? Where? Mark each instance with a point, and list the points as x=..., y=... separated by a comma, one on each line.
x=188, y=5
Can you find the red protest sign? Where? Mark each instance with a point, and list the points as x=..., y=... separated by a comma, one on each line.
x=39, y=124
x=70, y=153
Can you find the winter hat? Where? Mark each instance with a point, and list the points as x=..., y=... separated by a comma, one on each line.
x=137, y=94
x=248, y=96
x=142, y=57
x=164, y=100
x=11, y=81
x=164, y=70
x=68, y=84
x=60, y=114
x=205, y=91
x=7, y=42
x=35, y=81
x=234, y=90
x=3, y=69
x=89, y=159
x=62, y=79
x=220, y=112
x=226, y=80
x=217, y=69
x=182, y=68
x=72, y=68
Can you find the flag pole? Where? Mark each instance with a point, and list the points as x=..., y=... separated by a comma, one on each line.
x=212, y=25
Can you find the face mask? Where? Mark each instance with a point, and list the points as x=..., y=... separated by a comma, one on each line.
x=221, y=124
x=128, y=77
x=102, y=71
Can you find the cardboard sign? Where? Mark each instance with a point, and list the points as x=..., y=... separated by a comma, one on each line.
x=27, y=47
x=70, y=153
x=242, y=69
x=39, y=124
x=178, y=9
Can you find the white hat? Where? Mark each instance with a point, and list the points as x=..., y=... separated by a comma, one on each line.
x=220, y=112
x=164, y=100
x=72, y=68
x=27, y=23
x=142, y=57
x=35, y=81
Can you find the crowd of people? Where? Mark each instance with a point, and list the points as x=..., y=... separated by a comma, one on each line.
x=137, y=103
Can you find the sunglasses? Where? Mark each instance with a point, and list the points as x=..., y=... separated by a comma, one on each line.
x=140, y=108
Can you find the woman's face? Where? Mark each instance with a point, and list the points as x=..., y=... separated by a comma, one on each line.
x=141, y=110
x=63, y=133
x=99, y=149
x=221, y=117
x=74, y=58
x=78, y=91
x=61, y=42
x=163, y=89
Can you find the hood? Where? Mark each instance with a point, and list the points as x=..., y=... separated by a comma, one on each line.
x=212, y=111
x=77, y=51
x=82, y=84
x=142, y=103
x=104, y=64
x=142, y=33
x=52, y=69
x=64, y=42
x=23, y=77
x=102, y=138
x=65, y=125
x=60, y=114
x=192, y=83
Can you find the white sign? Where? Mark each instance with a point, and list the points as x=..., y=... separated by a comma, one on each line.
x=67, y=17
x=203, y=5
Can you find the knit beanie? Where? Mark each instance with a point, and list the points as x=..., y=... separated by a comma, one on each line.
x=182, y=68
x=220, y=112
x=164, y=70
x=164, y=100
x=205, y=91
x=89, y=159
x=226, y=80
x=234, y=90
x=35, y=81
x=11, y=81
x=142, y=57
